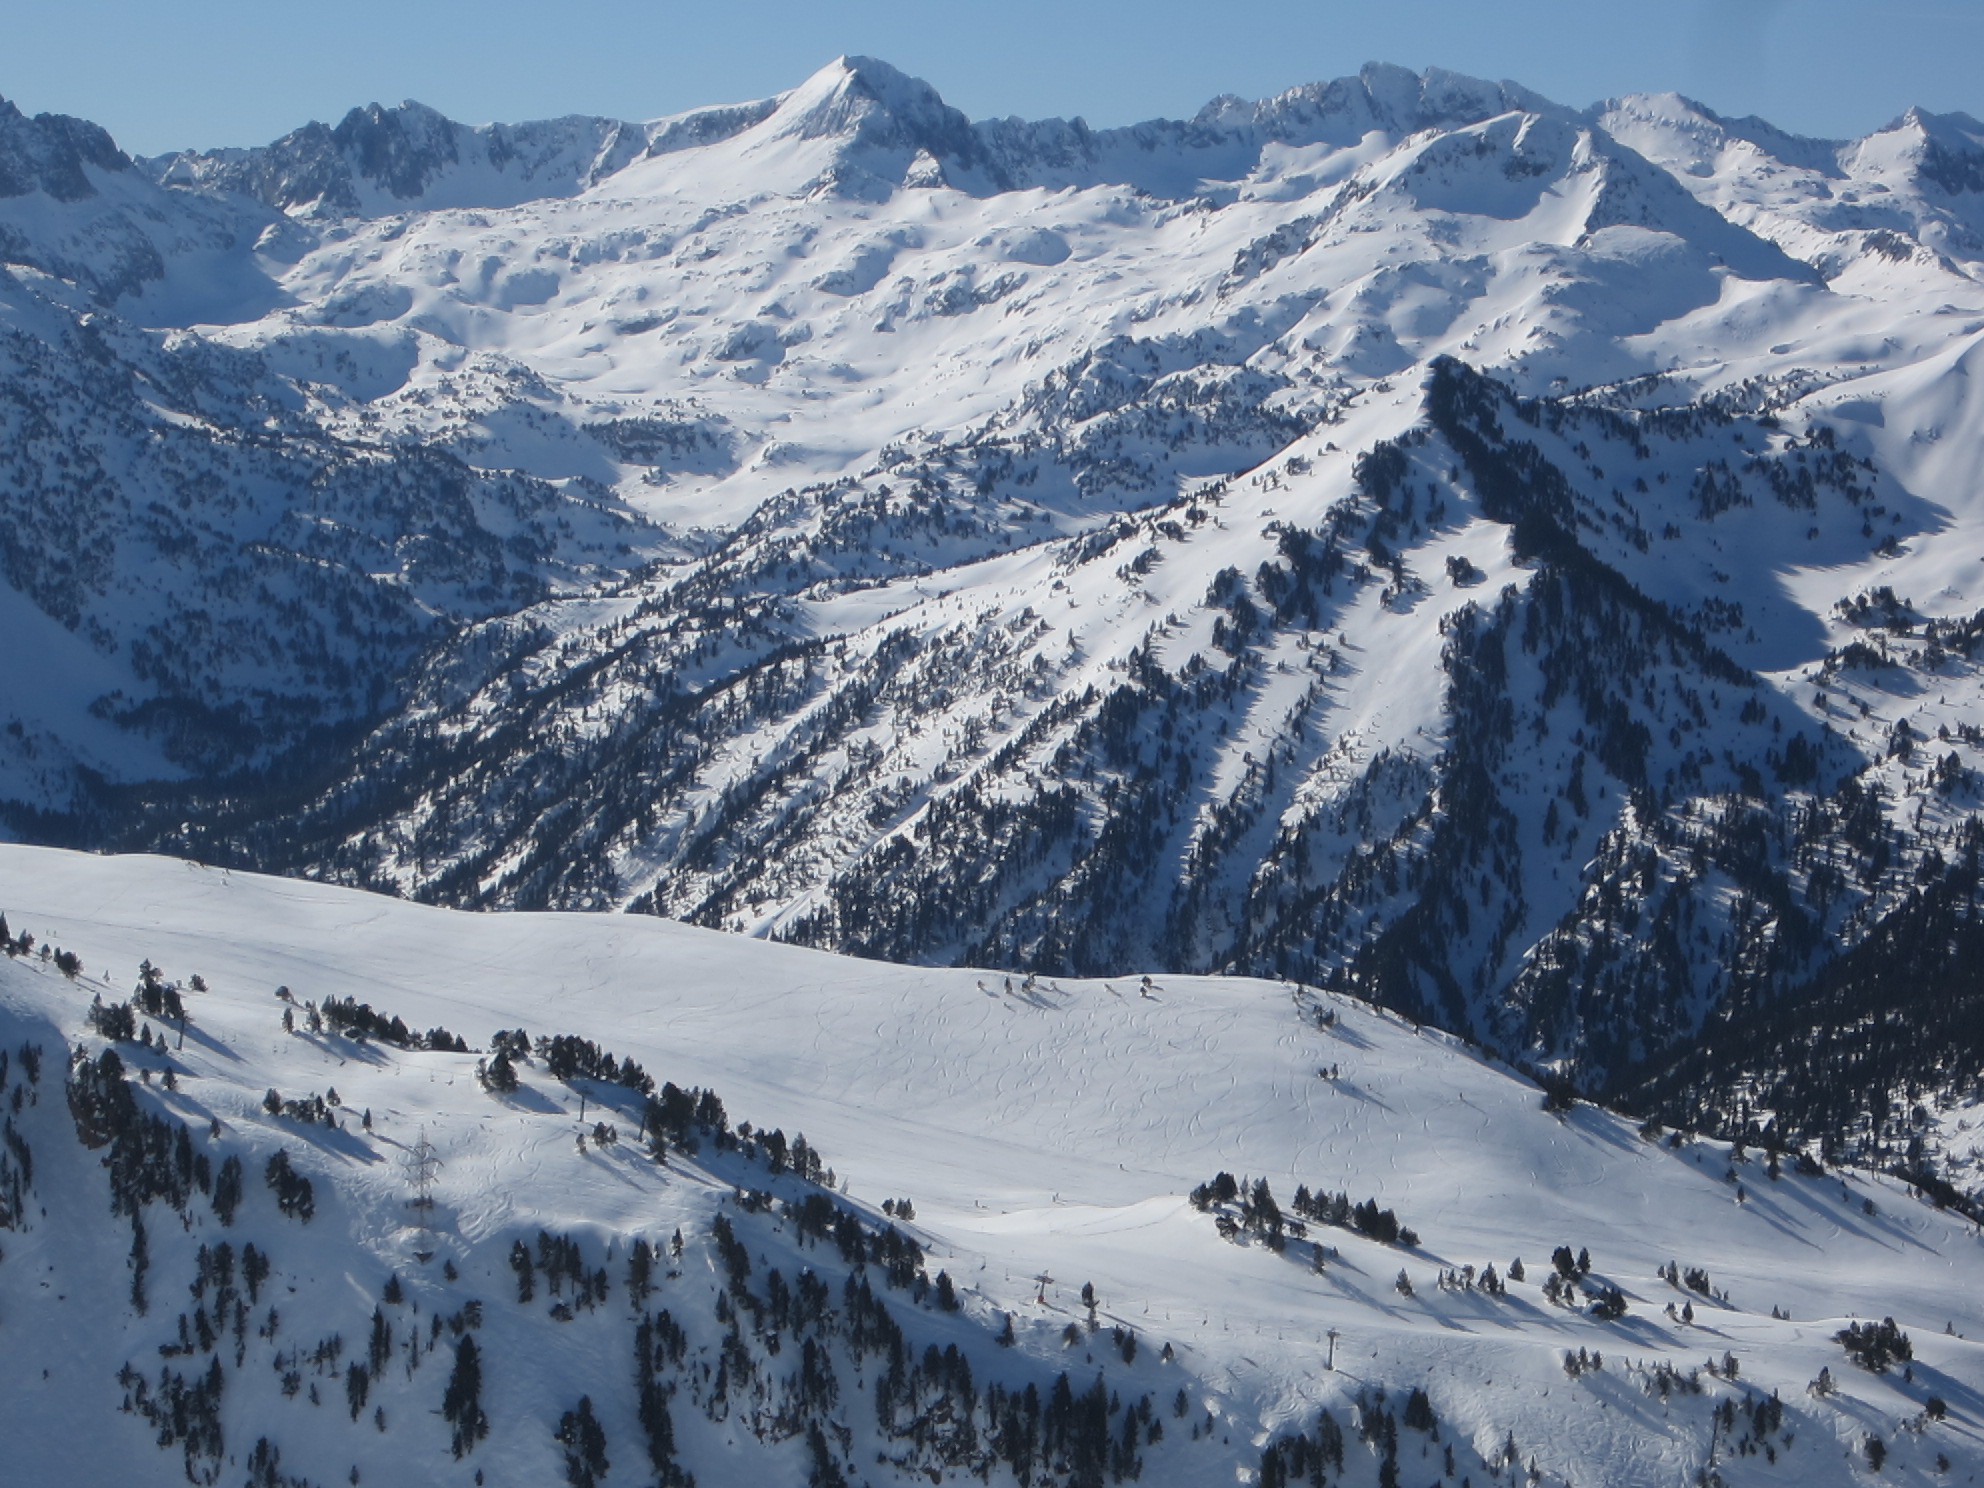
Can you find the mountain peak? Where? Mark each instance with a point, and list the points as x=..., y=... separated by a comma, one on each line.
x=1383, y=97
x=872, y=105
x=48, y=153
x=400, y=148
x=1438, y=97
x=1946, y=151
x=1928, y=121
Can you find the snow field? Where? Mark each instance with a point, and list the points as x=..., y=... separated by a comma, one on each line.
x=1042, y=1127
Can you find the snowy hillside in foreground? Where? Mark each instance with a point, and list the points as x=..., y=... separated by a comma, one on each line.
x=1039, y=1129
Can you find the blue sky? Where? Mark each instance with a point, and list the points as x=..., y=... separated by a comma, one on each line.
x=229, y=72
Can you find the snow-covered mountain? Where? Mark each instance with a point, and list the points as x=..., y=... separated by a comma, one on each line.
x=1515, y=563
x=1909, y=194
x=270, y=1211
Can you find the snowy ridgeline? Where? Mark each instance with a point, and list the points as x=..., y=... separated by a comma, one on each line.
x=304, y=1185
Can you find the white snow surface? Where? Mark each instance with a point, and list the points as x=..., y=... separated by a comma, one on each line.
x=1041, y=1128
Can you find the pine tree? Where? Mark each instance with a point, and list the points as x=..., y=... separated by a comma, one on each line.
x=520, y=1262
x=227, y=1190
x=640, y=1272
x=826, y=1472
x=1419, y=1411
x=294, y=1193
x=584, y=1441
x=462, y=1404
x=1329, y=1440
x=497, y=1074
x=140, y=1262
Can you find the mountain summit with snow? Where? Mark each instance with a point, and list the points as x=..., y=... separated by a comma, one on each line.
x=1516, y=565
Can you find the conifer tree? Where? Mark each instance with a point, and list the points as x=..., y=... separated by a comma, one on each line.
x=584, y=1441
x=461, y=1406
x=227, y=1190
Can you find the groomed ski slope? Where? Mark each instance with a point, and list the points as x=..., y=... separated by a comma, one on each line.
x=1047, y=1128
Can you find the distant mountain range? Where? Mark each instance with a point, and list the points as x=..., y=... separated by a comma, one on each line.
x=1522, y=565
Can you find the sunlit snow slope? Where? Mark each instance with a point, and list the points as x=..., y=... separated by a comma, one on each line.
x=1041, y=1129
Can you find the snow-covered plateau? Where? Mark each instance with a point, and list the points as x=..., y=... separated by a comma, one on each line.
x=253, y=1225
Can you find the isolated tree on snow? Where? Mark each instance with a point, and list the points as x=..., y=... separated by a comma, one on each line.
x=498, y=1075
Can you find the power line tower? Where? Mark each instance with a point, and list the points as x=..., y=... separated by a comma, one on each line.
x=422, y=1166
